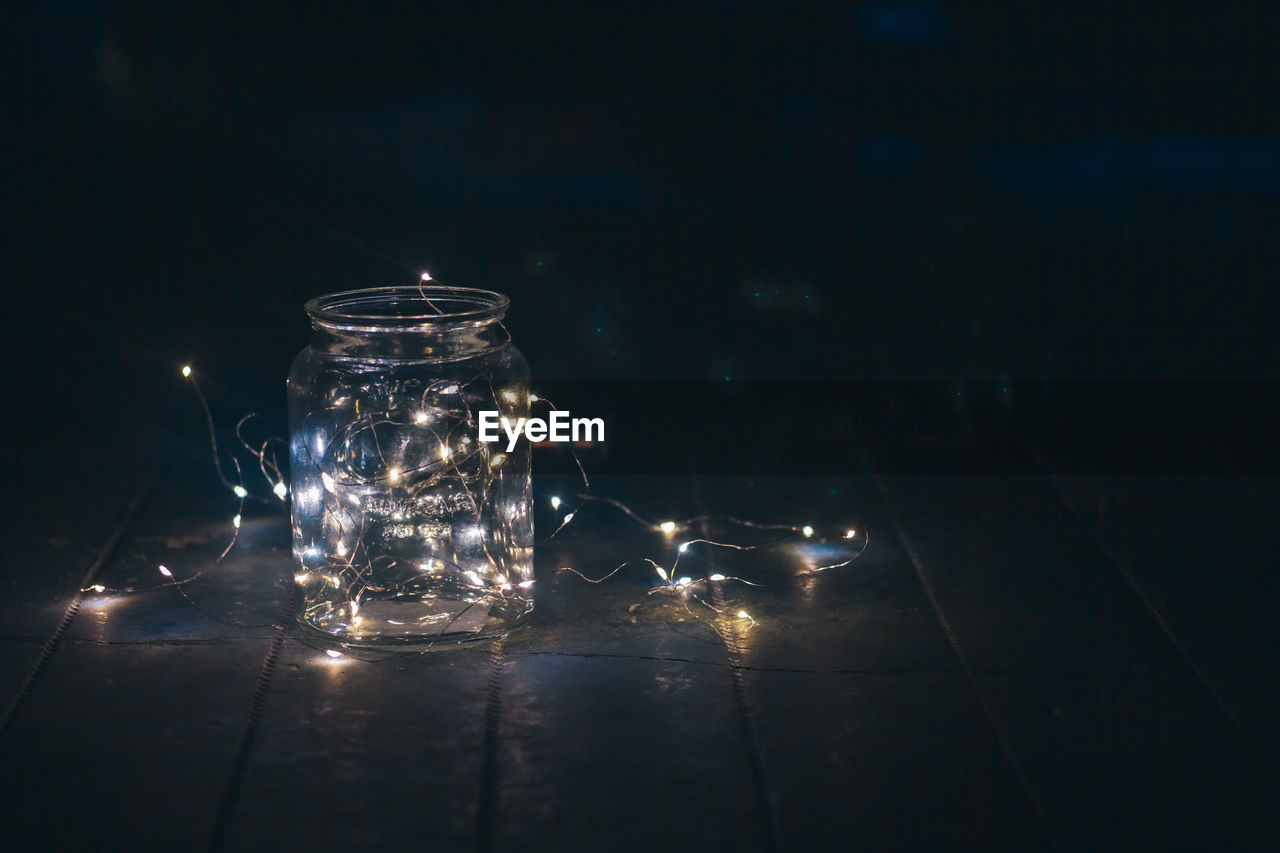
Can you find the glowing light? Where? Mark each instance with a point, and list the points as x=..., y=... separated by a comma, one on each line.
x=484, y=579
x=97, y=587
x=426, y=276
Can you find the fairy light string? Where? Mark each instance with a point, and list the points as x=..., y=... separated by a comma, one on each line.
x=353, y=570
x=434, y=471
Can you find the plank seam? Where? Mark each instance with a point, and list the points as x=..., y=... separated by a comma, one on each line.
x=73, y=607
x=486, y=813
x=257, y=705
x=1005, y=747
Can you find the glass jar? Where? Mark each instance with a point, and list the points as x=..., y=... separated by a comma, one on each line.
x=407, y=529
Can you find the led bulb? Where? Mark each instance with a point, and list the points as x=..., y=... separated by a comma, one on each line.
x=716, y=577
x=240, y=491
x=281, y=490
x=807, y=531
x=186, y=370
x=555, y=503
x=164, y=570
x=667, y=527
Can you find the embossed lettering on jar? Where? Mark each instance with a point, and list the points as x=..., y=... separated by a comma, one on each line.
x=407, y=530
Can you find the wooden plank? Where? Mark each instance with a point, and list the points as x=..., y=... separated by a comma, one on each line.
x=868, y=727
x=624, y=752
x=126, y=745
x=365, y=754
x=619, y=724
x=1202, y=554
x=1085, y=686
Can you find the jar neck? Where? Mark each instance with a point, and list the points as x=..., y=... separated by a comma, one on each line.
x=408, y=344
x=422, y=322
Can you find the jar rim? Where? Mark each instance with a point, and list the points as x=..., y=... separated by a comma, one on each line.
x=411, y=306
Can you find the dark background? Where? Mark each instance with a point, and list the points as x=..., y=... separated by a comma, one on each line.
x=913, y=189
x=708, y=191
x=970, y=237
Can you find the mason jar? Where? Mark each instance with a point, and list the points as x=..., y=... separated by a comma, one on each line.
x=407, y=529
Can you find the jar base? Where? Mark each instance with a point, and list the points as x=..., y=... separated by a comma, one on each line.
x=461, y=625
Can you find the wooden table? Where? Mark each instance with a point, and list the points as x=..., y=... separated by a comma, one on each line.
x=1017, y=661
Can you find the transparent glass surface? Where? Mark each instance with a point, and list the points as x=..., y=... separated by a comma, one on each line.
x=407, y=530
